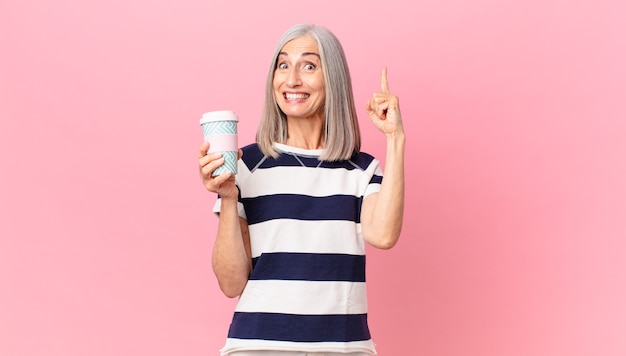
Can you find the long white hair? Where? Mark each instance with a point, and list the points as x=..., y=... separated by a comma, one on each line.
x=341, y=134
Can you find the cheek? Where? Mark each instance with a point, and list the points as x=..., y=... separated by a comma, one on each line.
x=320, y=83
x=322, y=90
x=276, y=90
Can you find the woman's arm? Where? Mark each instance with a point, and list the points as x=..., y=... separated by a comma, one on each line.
x=382, y=212
x=231, y=253
x=231, y=259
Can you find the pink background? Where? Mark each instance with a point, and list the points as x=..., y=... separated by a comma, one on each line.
x=515, y=236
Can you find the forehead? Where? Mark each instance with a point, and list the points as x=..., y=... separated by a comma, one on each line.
x=304, y=44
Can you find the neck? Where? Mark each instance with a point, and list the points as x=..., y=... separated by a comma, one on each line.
x=305, y=133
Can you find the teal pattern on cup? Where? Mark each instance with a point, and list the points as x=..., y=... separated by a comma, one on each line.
x=220, y=130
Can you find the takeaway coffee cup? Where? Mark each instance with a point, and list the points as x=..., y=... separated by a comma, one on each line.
x=220, y=130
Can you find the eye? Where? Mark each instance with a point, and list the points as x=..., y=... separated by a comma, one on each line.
x=281, y=66
x=309, y=67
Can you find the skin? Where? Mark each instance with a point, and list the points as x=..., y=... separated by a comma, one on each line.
x=382, y=212
x=299, y=72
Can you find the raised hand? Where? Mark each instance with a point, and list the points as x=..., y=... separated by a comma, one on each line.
x=384, y=108
x=382, y=212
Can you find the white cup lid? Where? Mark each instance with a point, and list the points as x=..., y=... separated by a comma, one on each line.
x=222, y=115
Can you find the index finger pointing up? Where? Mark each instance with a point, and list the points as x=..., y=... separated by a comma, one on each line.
x=384, y=84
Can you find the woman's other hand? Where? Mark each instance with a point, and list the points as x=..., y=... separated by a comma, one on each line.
x=384, y=109
x=223, y=184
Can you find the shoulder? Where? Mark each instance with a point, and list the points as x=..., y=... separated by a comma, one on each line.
x=252, y=155
x=363, y=160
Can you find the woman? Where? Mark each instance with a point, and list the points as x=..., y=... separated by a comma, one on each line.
x=294, y=221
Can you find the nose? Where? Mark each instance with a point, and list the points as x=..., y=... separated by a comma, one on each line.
x=293, y=78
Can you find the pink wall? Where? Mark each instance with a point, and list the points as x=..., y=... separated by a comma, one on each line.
x=515, y=235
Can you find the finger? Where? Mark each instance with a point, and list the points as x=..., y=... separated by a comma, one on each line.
x=209, y=157
x=207, y=169
x=204, y=148
x=384, y=84
x=370, y=107
x=393, y=102
x=219, y=179
x=381, y=110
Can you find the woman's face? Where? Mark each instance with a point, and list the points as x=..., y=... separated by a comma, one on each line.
x=299, y=81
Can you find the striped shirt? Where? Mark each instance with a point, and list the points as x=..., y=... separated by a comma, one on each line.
x=306, y=291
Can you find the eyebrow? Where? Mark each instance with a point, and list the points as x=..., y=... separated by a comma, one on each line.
x=303, y=54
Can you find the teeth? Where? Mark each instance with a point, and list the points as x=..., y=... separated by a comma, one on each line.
x=290, y=96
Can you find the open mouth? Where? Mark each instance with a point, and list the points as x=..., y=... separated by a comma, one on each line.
x=295, y=96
